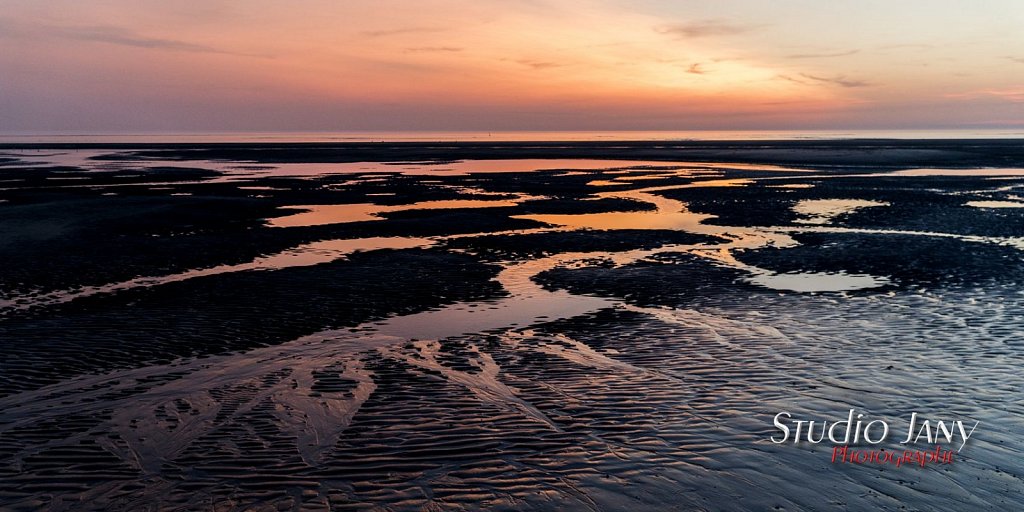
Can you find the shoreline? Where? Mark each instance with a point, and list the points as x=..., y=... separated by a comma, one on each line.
x=889, y=153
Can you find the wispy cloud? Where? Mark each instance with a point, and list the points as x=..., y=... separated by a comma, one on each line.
x=906, y=46
x=434, y=49
x=1019, y=60
x=696, y=68
x=402, y=31
x=840, y=80
x=821, y=55
x=110, y=34
x=539, y=64
x=1011, y=95
x=124, y=37
x=706, y=28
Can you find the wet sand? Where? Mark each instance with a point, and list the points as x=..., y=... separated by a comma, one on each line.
x=582, y=326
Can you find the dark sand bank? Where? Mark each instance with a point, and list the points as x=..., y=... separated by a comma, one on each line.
x=223, y=327
x=853, y=152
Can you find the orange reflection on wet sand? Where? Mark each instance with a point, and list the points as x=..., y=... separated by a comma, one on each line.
x=995, y=204
x=668, y=214
x=822, y=211
x=321, y=214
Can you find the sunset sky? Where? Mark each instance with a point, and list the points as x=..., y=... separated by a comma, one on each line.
x=324, y=65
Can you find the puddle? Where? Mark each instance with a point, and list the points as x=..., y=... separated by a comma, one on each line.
x=823, y=211
x=994, y=204
x=809, y=282
x=984, y=171
x=321, y=214
x=645, y=177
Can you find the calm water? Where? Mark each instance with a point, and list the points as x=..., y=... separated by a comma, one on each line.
x=511, y=136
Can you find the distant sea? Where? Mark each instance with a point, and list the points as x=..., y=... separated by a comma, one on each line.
x=511, y=136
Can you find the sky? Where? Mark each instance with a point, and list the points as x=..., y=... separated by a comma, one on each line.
x=145, y=66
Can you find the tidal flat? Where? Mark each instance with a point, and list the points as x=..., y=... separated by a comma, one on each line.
x=505, y=326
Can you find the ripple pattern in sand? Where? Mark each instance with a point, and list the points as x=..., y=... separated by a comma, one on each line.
x=626, y=407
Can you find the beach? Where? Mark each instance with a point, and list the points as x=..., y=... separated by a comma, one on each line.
x=505, y=325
